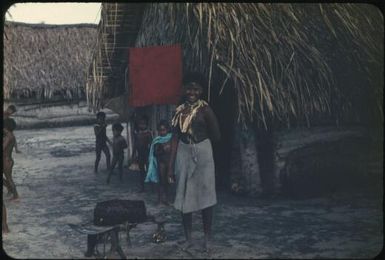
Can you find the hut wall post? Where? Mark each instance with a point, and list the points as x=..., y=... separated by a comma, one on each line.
x=244, y=170
x=250, y=165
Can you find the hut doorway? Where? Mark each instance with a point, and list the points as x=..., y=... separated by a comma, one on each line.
x=241, y=156
x=224, y=107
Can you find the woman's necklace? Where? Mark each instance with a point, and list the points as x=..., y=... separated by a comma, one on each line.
x=188, y=108
x=185, y=114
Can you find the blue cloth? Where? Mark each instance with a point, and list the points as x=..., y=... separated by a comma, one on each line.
x=152, y=172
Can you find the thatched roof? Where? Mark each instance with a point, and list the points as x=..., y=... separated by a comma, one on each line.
x=46, y=62
x=285, y=61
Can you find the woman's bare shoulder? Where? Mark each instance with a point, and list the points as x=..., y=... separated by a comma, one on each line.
x=206, y=109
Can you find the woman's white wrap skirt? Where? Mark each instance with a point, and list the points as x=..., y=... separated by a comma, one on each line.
x=195, y=177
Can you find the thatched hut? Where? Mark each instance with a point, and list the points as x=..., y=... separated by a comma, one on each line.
x=45, y=66
x=46, y=62
x=271, y=67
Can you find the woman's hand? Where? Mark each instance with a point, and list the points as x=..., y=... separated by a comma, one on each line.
x=170, y=171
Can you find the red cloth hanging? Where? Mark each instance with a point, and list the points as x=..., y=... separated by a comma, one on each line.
x=155, y=75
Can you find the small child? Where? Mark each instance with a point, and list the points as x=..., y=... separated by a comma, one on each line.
x=101, y=139
x=118, y=146
x=159, y=157
x=8, y=145
x=142, y=142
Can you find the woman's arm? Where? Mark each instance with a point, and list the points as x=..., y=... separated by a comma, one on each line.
x=212, y=124
x=174, y=148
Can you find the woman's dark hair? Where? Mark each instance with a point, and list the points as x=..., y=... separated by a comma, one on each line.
x=164, y=123
x=118, y=127
x=9, y=124
x=101, y=115
x=195, y=77
x=12, y=107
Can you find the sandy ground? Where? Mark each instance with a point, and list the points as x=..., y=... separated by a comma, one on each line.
x=55, y=180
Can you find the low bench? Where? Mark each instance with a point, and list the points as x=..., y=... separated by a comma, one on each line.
x=111, y=233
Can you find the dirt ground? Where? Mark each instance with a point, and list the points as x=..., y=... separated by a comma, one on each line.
x=57, y=186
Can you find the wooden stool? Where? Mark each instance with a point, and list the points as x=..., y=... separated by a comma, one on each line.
x=103, y=234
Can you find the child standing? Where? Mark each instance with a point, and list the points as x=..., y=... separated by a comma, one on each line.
x=8, y=145
x=142, y=142
x=101, y=139
x=159, y=157
x=118, y=146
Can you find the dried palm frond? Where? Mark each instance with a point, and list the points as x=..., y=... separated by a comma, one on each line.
x=46, y=60
x=279, y=57
x=283, y=60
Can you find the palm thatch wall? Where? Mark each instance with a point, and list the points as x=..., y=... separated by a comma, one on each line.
x=286, y=62
x=46, y=62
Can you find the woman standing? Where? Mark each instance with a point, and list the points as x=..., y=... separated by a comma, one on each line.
x=195, y=126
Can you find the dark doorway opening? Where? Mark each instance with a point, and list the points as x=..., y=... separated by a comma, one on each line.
x=224, y=107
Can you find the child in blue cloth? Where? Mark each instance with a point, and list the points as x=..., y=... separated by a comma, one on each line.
x=158, y=160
